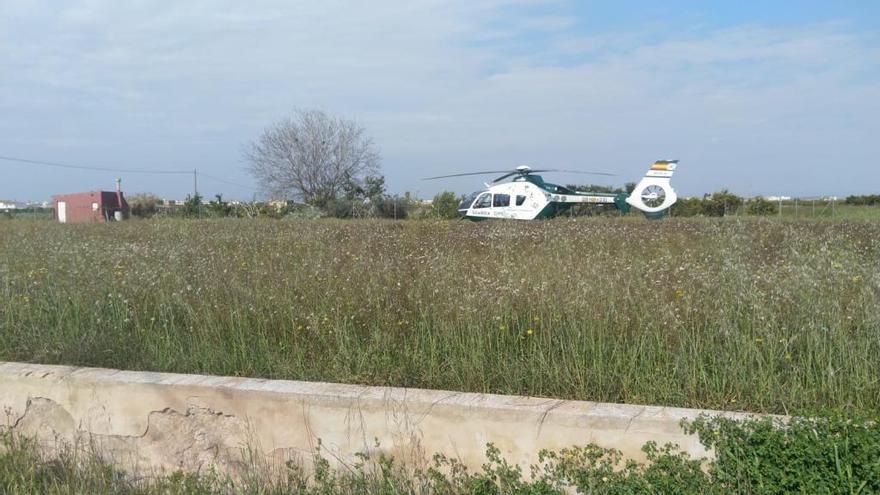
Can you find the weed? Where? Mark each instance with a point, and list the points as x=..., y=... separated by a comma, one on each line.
x=760, y=315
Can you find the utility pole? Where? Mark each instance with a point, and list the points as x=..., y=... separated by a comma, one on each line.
x=196, y=191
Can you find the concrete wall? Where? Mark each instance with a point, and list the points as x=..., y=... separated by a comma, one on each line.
x=153, y=422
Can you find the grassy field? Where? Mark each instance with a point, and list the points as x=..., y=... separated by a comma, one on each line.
x=807, y=209
x=748, y=314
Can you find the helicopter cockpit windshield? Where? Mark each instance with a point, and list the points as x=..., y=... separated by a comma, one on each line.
x=468, y=200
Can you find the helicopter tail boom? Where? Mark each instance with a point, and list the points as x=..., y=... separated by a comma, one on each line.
x=654, y=194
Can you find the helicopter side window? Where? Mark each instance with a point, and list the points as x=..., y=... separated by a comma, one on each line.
x=520, y=200
x=500, y=200
x=484, y=201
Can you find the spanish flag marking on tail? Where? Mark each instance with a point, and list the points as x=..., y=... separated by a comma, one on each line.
x=664, y=165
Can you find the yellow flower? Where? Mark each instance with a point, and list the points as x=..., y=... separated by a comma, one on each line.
x=856, y=279
x=529, y=332
x=732, y=401
x=758, y=340
x=788, y=357
x=679, y=292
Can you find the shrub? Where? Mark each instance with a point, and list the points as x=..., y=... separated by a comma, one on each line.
x=687, y=207
x=721, y=203
x=445, y=205
x=144, y=205
x=219, y=208
x=833, y=454
x=864, y=200
x=760, y=206
x=829, y=454
x=394, y=207
x=192, y=207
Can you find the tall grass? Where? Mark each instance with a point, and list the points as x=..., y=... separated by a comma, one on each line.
x=759, y=315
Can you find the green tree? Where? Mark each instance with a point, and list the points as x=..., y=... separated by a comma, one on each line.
x=371, y=187
x=192, y=207
x=721, y=203
x=218, y=207
x=445, y=205
x=864, y=200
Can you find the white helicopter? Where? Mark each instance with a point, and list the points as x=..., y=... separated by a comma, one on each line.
x=528, y=197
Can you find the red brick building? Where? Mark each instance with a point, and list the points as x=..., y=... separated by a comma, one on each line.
x=95, y=206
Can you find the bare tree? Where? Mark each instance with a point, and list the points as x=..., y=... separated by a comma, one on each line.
x=311, y=156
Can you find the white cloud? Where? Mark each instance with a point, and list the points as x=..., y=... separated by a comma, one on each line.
x=443, y=86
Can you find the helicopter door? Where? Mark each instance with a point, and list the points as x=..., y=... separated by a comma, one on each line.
x=483, y=201
x=482, y=206
x=501, y=205
x=518, y=204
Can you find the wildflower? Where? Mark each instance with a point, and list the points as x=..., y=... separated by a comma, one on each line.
x=679, y=293
x=529, y=331
x=605, y=479
x=732, y=400
x=787, y=357
x=856, y=279
x=759, y=340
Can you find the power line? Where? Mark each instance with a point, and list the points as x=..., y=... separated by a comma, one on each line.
x=195, y=173
x=224, y=181
x=88, y=167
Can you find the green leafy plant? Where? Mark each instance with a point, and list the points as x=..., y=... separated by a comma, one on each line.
x=830, y=454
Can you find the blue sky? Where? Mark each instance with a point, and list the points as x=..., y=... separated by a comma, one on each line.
x=759, y=97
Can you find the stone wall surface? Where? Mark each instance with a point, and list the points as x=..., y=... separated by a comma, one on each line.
x=160, y=422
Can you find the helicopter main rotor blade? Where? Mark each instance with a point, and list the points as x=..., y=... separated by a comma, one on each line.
x=467, y=173
x=584, y=172
x=541, y=170
x=508, y=174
